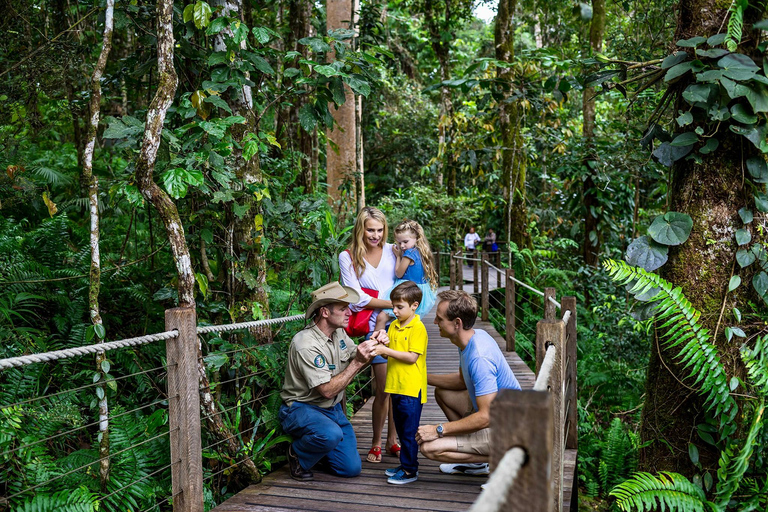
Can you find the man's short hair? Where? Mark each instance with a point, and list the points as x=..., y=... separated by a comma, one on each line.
x=407, y=291
x=461, y=305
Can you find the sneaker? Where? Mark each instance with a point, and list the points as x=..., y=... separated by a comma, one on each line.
x=393, y=471
x=401, y=477
x=483, y=486
x=475, y=468
x=297, y=472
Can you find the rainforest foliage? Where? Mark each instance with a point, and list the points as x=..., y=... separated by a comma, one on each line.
x=644, y=149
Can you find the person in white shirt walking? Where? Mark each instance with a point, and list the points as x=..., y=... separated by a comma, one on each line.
x=470, y=241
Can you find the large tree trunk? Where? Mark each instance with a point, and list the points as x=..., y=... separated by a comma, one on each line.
x=513, y=161
x=591, y=244
x=712, y=193
x=442, y=51
x=341, y=152
x=92, y=183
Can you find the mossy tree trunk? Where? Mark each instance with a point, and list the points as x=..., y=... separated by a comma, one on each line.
x=513, y=159
x=591, y=247
x=711, y=193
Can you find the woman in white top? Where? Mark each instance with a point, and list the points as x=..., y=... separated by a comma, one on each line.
x=370, y=263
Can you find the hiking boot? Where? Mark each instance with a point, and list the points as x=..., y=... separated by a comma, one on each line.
x=474, y=468
x=297, y=472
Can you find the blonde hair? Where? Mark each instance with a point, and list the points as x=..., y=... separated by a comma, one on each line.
x=422, y=244
x=357, y=248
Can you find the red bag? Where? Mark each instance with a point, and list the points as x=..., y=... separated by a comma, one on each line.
x=358, y=322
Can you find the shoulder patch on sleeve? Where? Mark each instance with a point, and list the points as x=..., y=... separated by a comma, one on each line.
x=320, y=361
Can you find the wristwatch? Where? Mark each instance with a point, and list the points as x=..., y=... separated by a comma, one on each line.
x=440, y=430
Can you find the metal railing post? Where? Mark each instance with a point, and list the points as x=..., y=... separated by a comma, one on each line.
x=524, y=419
x=184, y=411
x=509, y=309
x=484, y=300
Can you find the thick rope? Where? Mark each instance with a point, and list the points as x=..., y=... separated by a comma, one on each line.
x=534, y=290
x=553, y=301
x=567, y=316
x=495, y=493
x=248, y=325
x=85, y=350
x=542, y=379
x=465, y=258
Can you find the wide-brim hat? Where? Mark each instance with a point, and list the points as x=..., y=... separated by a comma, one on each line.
x=330, y=293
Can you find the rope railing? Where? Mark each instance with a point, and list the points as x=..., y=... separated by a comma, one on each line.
x=553, y=301
x=84, y=350
x=248, y=325
x=567, y=316
x=495, y=493
x=534, y=290
x=542, y=379
x=457, y=257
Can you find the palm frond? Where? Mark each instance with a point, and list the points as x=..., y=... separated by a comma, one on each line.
x=672, y=491
x=681, y=328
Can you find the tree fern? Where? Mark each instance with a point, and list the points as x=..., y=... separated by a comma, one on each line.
x=697, y=353
x=668, y=491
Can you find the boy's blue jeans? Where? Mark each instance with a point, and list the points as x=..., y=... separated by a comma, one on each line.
x=407, y=414
x=319, y=433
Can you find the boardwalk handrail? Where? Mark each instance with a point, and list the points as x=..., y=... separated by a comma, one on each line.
x=496, y=489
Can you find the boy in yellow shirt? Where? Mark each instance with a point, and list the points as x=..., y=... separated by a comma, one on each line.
x=406, y=376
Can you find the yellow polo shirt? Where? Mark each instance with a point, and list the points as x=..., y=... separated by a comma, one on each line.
x=402, y=378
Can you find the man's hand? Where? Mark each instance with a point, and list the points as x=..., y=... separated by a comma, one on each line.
x=365, y=351
x=380, y=337
x=426, y=433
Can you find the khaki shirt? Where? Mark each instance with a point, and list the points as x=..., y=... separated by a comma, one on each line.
x=313, y=359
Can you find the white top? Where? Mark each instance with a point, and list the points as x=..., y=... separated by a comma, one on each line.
x=470, y=239
x=379, y=278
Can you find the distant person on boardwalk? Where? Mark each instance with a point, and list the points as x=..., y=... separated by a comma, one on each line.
x=470, y=242
x=368, y=266
x=489, y=243
x=463, y=442
x=322, y=360
x=414, y=264
x=406, y=377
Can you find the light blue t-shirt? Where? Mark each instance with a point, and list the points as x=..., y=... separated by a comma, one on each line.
x=484, y=368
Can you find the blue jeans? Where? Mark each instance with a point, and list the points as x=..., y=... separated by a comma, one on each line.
x=407, y=413
x=318, y=433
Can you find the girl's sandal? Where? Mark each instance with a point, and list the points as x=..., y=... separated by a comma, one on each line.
x=374, y=455
x=394, y=450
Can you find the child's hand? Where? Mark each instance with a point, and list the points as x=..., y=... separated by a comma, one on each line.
x=396, y=250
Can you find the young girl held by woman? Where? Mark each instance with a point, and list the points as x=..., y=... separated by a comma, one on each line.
x=414, y=263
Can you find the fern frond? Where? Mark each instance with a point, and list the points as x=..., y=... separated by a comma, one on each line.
x=735, y=24
x=732, y=469
x=671, y=490
x=756, y=361
x=698, y=355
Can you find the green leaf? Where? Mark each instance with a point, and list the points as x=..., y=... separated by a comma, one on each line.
x=112, y=383
x=738, y=66
x=189, y=13
x=728, y=333
x=742, y=115
x=202, y=283
x=757, y=95
x=693, y=453
x=697, y=93
x=122, y=129
x=685, y=139
x=710, y=146
x=216, y=25
x=240, y=210
x=761, y=201
x=761, y=25
x=667, y=154
x=260, y=63
x=672, y=228
x=216, y=361
x=673, y=60
x=217, y=58
x=743, y=236
x=758, y=169
x=100, y=393
x=647, y=254
x=755, y=134
x=201, y=14
x=738, y=332
x=250, y=149
x=685, y=119
x=207, y=235
x=737, y=314
x=100, y=331
x=745, y=258
x=213, y=128
x=239, y=31
x=316, y=43
x=711, y=75
x=734, y=283
x=96, y=377
x=678, y=70
x=760, y=282
x=358, y=84
x=307, y=118
x=692, y=42
x=714, y=53
x=105, y=366
x=336, y=86
x=746, y=215
x=716, y=40
x=217, y=101
x=327, y=70
x=261, y=34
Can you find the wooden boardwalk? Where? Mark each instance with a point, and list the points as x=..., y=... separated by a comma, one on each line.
x=370, y=492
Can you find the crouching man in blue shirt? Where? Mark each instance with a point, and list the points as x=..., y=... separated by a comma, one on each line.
x=463, y=442
x=322, y=360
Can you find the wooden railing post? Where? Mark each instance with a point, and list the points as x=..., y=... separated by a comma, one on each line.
x=475, y=273
x=484, y=300
x=452, y=270
x=437, y=265
x=552, y=332
x=524, y=419
x=549, y=308
x=184, y=411
x=509, y=308
x=498, y=272
x=572, y=435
